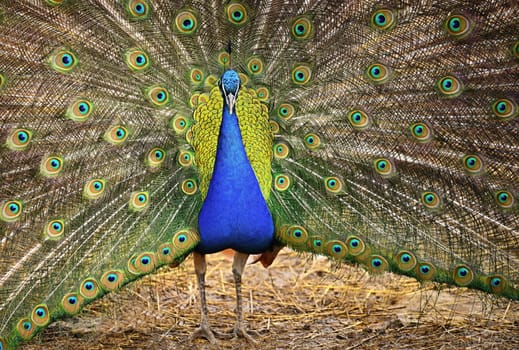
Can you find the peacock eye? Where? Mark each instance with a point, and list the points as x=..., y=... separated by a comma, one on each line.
x=377, y=73
x=137, y=60
x=450, y=86
x=54, y=229
x=63, y=60
x=116, y=135
x=189, y=187
x=281, y=151
x=333, y=184
x=312, y=141
x=138, y=201
x=358, y=119
x=458, y=26
x=158, y=96
x=11, y=211
x=186, y=22
x=473, y=164
x=236, y=14
x=505, y=109
x=431, y=200
x=285, y=111
x=94, y=188
x=281, y=182
x=301, y=28
x=301, y=74
x=378, y=264
x=19, y=139
x=255, y=65
x=504, y=199
x=138, y=9
x=383, y=19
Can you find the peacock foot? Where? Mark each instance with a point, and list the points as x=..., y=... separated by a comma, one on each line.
x=240, y=332
x=204, y=331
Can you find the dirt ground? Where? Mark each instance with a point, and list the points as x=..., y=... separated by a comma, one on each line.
x=299, y=302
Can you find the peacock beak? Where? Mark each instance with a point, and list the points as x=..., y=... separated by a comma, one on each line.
x=230, y=97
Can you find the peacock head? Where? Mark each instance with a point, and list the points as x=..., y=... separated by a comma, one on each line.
x=229, y=85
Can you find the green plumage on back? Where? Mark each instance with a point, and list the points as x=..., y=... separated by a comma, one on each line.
x=394, y=132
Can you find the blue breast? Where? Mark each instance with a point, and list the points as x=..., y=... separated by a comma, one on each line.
x=234, y=213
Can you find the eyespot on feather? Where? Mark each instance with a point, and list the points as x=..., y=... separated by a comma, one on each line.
x=54, y=229
x=505, y=109
x=40, y=315
x=236, y=13
x=25, y=328
x=71, y=303
x=94, y=188
x=336, y=249
x=406, y=261
x=80, y=110
x=458, y=26
x=355, y=245
x=137, y=60
x=255, y=65
x=63, y=60
x=316, y=244
x=186, y=22
x=302, y=28
x=184, y=239
x=19, y=139
x=285, y=111
x=189, y=186
x=496, y=283
x=11, y=211
x=282, y=182
x=157, y=95
x=505, y=199
x=463, y=275
x=185, y=158
x=301, y=74
x=425, y=271
x=281, y=150
x=377, y=264
x=116, y=135
x=51, y=166
x=378, y=73
x=139, y=201
x=421, y=132
x=145, y=262
x=166, y=253
x=473, y=164
x=312, y=141
x=296, y=235
x=112, y=280
x=383, y=19
x=138, y=9
x=384, y=167
x=89, y=288
x=359, y=119
x=450, y=86
x=155, y=157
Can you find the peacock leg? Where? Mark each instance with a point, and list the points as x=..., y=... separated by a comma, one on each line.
x=238, y=265
x=204, y=330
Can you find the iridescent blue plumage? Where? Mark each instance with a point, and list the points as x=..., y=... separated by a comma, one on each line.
x=234, y=214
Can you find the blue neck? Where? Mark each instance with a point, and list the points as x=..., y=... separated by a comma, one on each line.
x=234, y=213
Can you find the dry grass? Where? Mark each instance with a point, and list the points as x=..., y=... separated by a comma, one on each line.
x=298, y=303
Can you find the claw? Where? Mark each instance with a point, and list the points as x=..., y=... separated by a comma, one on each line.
x=203, y=331
x=240, y=332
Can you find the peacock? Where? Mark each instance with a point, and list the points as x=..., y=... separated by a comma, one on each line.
x=134, y=133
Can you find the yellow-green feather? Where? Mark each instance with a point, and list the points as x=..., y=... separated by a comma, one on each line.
x=256, y=135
